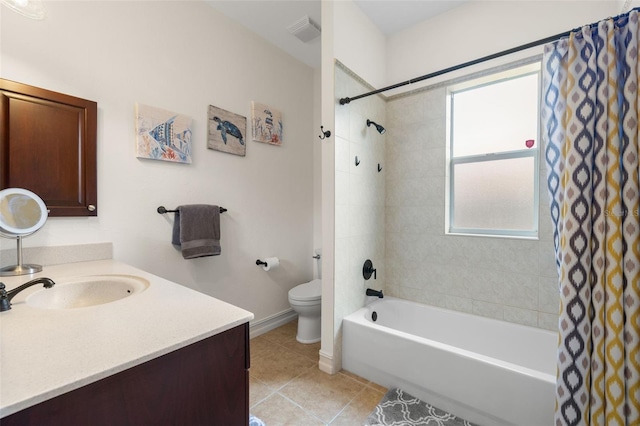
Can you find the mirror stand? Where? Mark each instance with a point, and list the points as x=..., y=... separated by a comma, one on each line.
x=19, y=269
x=21, y=214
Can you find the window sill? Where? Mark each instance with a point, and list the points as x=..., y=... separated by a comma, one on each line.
x=503, y=236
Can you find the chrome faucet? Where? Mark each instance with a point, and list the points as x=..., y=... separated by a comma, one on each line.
x=6, y=296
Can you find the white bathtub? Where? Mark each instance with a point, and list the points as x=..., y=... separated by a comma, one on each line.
x=487, y=371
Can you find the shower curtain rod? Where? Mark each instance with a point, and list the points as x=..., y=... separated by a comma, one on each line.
x=346, y=100
x=556, y=37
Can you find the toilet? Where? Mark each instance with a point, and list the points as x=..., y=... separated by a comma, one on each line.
x=306, y=300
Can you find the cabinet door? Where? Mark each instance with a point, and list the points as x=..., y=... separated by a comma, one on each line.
x=48, y=146
x=205, y=383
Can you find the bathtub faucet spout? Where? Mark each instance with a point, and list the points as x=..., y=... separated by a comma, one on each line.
x=378, y=293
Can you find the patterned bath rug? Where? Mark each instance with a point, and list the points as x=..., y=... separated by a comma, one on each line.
x=254, y=421
x=398, y=408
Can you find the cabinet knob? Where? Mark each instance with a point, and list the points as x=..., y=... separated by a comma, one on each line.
x=91, y=208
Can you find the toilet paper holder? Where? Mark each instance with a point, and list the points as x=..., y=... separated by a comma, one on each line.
x=269, y=263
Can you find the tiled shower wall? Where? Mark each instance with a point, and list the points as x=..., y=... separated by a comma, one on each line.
x=509, y=279
x=360, y=194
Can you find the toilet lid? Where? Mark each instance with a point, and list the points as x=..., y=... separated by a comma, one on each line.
x=308, y=291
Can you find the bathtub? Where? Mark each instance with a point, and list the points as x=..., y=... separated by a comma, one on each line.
x=487, y=371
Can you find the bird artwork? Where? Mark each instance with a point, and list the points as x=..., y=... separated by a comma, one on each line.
x=266, y=124
x=226, y=131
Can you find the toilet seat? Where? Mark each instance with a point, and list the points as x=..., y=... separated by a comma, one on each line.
x=307, y=292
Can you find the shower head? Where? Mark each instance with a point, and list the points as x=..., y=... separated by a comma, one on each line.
x=379, y=128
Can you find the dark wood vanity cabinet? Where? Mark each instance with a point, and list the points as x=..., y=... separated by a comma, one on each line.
x=48, y=146
x=205, y=383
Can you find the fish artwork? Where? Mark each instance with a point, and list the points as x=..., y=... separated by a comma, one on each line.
x=162, y=135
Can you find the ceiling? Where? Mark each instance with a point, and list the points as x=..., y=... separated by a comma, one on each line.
x=270, y=19
x=391, y=16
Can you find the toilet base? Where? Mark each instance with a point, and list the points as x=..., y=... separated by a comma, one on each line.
x=308, y=330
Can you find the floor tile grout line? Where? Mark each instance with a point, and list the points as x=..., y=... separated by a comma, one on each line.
x=278, y=389
x=291, y=350
x=358, y=382
x=364, y=386
x=291, y=337
x=303, y=409
x=286, y=341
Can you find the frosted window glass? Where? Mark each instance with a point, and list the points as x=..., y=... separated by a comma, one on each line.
x=494, y=152
x=497, y=117
x=495, y=194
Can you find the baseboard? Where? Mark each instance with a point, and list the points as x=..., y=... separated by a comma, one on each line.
x=261, y=326
x=327, y=365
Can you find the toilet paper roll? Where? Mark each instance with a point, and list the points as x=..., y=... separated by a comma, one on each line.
x=272, y=263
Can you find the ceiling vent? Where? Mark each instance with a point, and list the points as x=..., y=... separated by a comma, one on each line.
x=304, y=29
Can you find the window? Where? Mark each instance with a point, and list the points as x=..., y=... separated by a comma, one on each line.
x=494, y=154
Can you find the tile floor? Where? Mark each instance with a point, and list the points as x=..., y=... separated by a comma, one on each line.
x=287, y=388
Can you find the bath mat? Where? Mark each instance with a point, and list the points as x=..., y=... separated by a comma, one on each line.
x=398, y=408
x=254, y=421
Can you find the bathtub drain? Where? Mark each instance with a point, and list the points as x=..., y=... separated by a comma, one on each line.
x=374, y=316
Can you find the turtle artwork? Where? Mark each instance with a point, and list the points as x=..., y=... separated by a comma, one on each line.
x=227, y=127
x=226, y=131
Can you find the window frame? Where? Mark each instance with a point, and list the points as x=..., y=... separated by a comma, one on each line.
x=452, y=161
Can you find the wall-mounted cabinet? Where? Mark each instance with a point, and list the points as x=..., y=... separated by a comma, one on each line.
x=48, y=146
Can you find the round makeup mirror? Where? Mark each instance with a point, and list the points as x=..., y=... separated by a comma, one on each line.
x=21, y=214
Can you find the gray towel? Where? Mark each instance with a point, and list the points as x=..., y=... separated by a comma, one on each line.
x=196, y=230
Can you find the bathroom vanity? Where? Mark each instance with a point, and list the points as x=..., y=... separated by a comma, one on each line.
x=164, y=354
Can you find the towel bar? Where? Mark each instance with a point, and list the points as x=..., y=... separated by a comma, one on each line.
x=163, y=210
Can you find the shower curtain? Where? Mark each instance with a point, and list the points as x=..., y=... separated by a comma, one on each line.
x=590, y=130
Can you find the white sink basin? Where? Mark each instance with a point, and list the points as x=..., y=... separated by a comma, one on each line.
x=80, y=292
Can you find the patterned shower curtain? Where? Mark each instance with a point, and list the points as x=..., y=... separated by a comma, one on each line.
x=590, y=130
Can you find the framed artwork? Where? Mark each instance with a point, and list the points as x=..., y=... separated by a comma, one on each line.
x=266, y=123
x=226, y=131
x=162, y=135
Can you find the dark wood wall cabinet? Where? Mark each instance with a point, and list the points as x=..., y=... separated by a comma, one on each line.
x=206, y=383
x=48, y=146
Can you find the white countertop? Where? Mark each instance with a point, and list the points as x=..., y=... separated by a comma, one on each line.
x=47, y=352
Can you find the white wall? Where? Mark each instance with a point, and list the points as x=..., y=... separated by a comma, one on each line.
x=317, y=163
x=481, y=28
x=329, y=361
x=349, y=36
x=180, y=56
x=359, y=44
